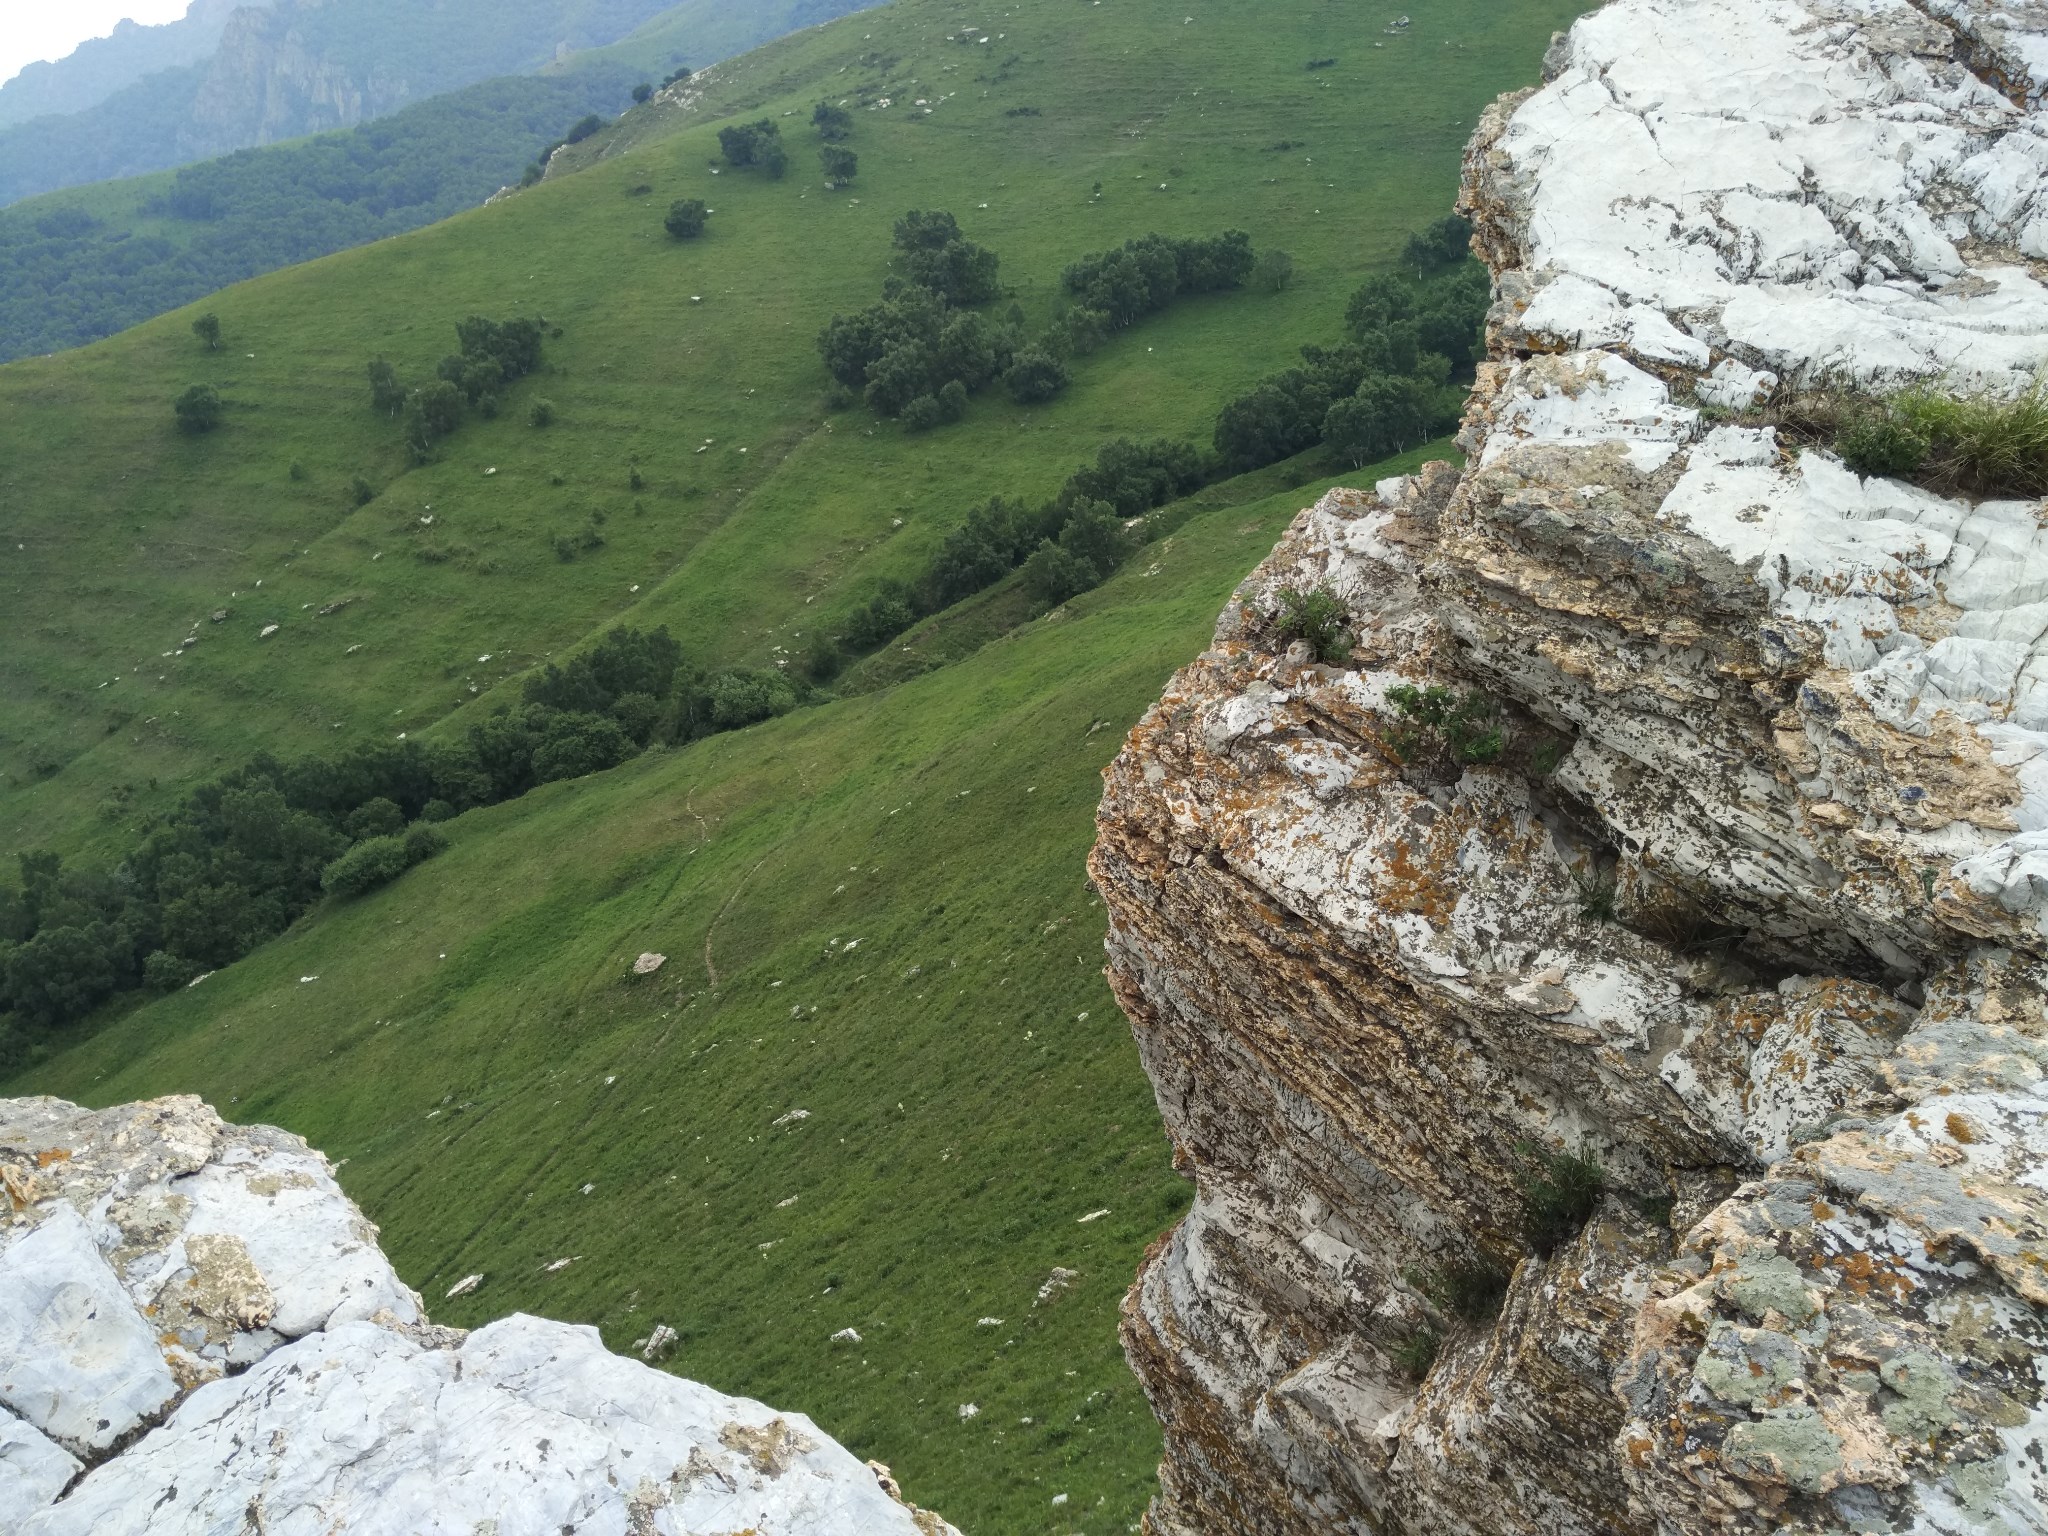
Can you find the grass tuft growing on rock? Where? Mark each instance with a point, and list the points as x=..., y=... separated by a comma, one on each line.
x=1470, y=1290
x=1318, y=616
x=1559, y=1193
x=1976, y=443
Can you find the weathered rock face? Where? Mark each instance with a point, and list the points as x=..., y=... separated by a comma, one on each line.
x=1751, y=907
x=198, y=1333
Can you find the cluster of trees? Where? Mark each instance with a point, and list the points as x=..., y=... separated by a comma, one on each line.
x=494, y=354
x=244, y=856
x=835, y=127
x=1066, y=546
x=923, y=351
x=1384, y=389
x=1389, y=384
x=756, y=146
x=1113, y=290
x=69, y=276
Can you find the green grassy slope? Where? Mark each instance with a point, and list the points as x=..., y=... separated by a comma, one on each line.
x=86, y=262
x=890, y=894
x=470, y=1042
x=118, y=534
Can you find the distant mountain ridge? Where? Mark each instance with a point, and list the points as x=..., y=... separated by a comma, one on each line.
x=100, y=66
x=299, y=67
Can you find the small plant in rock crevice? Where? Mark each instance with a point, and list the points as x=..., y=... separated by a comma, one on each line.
x=1417, y=1353
x=1471, y=1290
x=1315, y=615
x=1466, y=725
x=1560, y=1191
x=1597, y=892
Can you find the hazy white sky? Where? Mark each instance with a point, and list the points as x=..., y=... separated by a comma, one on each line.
x=49, y=29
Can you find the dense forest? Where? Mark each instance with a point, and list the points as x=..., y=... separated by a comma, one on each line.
x=67, y=277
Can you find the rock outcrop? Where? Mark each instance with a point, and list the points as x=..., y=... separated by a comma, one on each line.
x=1746, y=905
x=199, y=1333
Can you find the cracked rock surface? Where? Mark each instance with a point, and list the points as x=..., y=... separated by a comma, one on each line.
x=199, y=1334
x=1747, y=904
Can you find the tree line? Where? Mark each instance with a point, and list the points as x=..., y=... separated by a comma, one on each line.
x=245, y=855
x=1385, y=388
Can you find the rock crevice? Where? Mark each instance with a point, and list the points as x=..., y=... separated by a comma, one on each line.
x=1747, y=906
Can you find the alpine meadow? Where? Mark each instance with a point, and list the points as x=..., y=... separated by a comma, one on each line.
x=744, y=545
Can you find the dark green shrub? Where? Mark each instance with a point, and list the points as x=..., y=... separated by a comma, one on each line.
x=1560, y=1191
x=296, y=471
x=1878, y=444
x=741, y=697
x=924, y=413
x=207, y=329
x=1052, y=574
x=437, y=810
x=422, y=841
x=361, y=492
x=1317, y=616
x=541, y=413
x=1035, y=377
x=199, y=409
x=374, y=818
x=641, y=93
x=166, y=972
x=364, y=867
x=1273, y=271
x=583, y=128
x=686, y=218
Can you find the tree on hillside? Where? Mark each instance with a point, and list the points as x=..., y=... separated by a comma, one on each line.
x=840, y=164
x=937, y=257
x=642, y=92
x=387, y=394
x=757, y=144
x=833, y=123
x=207, y=329
x=432, y=411
x=1274, y=270
x=1443, y=244
x=199, y=409
x=686, y=218
x=1383, y=416
x=1035, y=377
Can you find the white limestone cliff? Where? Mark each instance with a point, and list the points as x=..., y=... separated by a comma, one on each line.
x=199, y=1333
x=1753, y=908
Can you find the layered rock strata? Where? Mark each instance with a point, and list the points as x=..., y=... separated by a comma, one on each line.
x=1746, y=904
x=199, y=1333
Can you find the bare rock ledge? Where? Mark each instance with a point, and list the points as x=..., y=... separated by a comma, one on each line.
x=200, y=1335
x=1753, y=908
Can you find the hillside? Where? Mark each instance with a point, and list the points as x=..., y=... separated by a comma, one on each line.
x=84, y=263
x=301, y=66
x=480, y=1061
